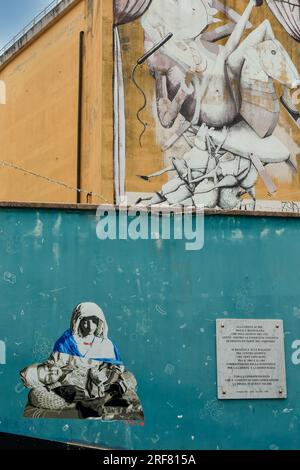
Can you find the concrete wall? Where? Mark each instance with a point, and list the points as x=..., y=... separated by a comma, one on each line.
x=161, y=303
x=39, y=124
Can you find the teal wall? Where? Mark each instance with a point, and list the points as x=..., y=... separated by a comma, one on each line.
x=161, y=303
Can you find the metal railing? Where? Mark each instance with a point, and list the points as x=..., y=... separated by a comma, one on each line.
x=28, y=27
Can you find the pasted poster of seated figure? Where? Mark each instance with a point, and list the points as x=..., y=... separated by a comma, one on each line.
x=84, y=377
x=226, y=101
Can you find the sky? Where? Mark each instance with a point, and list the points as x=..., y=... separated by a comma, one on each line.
x=15, y=14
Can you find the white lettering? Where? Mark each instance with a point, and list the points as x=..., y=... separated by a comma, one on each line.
x=107, y=226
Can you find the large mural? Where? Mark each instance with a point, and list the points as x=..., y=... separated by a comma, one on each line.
x=207, y=97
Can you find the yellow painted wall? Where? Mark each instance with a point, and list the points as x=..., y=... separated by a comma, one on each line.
x=38, y=125
x=150, y=158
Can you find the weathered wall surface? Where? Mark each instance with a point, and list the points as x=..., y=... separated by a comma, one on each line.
x=97, y=130
x=39, y=124
x=161, y=304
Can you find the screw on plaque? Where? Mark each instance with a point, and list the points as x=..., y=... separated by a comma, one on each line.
x=222, y=325
x=280, y=391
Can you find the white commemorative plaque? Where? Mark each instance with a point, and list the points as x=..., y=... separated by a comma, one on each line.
x=250, y=359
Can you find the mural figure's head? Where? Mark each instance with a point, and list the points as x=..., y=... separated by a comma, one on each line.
x=89, y=326
x=38, y=375
x=88, y=319
x=186, y=19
